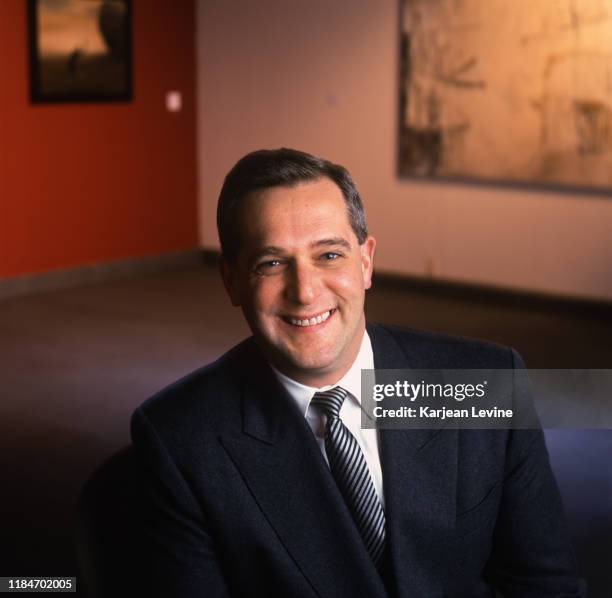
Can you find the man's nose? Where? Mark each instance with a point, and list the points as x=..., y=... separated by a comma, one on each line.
x=302, y=284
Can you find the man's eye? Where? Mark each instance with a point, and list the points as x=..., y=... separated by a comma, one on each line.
x=329, y=256
x=268, y=266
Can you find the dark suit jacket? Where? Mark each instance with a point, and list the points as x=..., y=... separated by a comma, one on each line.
x=238, y=500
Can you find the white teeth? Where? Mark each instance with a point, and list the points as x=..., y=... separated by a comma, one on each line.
x=312, y=321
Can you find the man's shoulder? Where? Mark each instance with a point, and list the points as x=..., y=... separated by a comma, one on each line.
x=211, y=393
x=425, y=349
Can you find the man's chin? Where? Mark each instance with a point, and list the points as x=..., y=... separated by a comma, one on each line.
x=312, y=372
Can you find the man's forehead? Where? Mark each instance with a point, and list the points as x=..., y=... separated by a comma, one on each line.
x=283, y=218
x=316, y=189
x=305, y=200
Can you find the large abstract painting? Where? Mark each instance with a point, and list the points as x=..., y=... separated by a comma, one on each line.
x=80, y=50
x=499, y=90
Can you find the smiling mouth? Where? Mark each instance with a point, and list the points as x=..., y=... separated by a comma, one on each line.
x=311, y=321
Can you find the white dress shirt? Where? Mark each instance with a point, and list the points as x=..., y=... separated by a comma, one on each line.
x=350, y=413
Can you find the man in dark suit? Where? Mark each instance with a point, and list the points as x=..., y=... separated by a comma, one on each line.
x=258, y=478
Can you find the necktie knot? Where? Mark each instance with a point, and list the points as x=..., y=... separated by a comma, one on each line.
x=330, y=401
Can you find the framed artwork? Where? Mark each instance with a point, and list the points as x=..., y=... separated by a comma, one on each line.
x=515, y=92
x=80, y=50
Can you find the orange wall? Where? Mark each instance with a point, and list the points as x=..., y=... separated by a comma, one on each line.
x=86, y=183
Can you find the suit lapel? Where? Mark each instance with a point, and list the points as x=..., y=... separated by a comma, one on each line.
x=281, y=463
x=420, y=479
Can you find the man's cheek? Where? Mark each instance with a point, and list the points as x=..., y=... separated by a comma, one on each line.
x=259, y=294
x=347, y=284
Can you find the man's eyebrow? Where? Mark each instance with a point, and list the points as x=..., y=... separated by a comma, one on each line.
x=332, y=242
x=275, y=250
x=267, y=250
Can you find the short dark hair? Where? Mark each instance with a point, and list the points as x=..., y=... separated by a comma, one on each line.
x=282, y=167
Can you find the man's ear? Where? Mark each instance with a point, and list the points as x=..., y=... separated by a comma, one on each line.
x=229, y=280
x=368, y=249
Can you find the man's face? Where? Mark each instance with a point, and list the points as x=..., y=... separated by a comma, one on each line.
x=300, y=278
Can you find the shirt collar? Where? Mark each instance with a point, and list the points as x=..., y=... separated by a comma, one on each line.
x=351, y=381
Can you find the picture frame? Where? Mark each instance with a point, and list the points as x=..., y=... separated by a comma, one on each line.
x=511, y=93
x=80, y=50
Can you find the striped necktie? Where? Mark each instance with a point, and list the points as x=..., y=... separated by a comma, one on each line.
x=350, y=470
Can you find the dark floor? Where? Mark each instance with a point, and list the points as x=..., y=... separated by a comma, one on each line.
x=74, y=364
